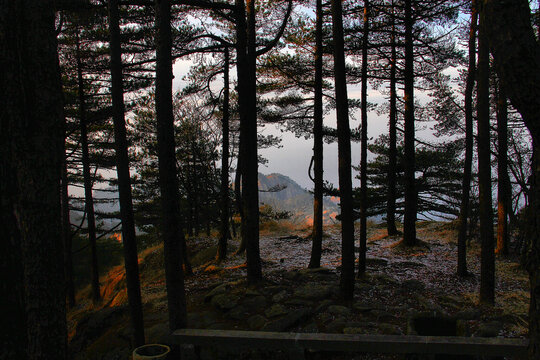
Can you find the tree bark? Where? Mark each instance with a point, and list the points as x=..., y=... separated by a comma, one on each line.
x=168, y=181
x=392, y=152
x=316, y=248
x=504, y=191
x=517, y=60
x=344, y=155
x=66, y=235
x=246, y=66
x=32, y=134
x=238, y=197
x=469, y=143
x=88, y=197
x=129, y=239
x=409, y=220
x=224, y=233
x=487, y=268
x=363, y=147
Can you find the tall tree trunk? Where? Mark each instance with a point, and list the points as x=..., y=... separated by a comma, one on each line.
x=316, y=249
x=32, y=135
x=487, y=269
x=469, y=143
x=392, y=151
x=66, y=235
x=88, y=197
x=224, y=233
x=238, y=197
x=129, y=239
x=344, y=154
x=13, y=319
x=516, y=53
x=246, y=66
x=504, y=191
x=532, y=256
x=409, y=220
x=363, y=149
x=168, y=181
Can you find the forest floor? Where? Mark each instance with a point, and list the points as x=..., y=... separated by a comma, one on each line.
x=401, y=285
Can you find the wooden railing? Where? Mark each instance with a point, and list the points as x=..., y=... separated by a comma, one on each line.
x=297, y=343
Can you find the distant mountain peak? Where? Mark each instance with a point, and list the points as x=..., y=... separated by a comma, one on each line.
x=292, y=198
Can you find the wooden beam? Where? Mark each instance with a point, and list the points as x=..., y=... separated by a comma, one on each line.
x=380, y=344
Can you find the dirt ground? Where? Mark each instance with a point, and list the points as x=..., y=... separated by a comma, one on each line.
x=400, y=285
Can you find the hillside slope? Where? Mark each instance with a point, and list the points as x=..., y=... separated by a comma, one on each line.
x=293, y=198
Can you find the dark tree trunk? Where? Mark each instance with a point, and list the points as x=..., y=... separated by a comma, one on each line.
x=409, y=219
x=88, y=197
x=363, y=149
x=32, y=135
x=532, y=257
x=13, y=322
x=517, y=53
x=246, y=66
x=224, y=232
x=392, y=151
x=238, y=197
x=66, y=235
x=487, y=269
x=168, y=181
x=344, y=154
x=469, y=143
x=316, y=249
x=129, y=239
x=504, y=191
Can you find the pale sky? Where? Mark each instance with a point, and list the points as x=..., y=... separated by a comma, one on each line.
x=293, y=158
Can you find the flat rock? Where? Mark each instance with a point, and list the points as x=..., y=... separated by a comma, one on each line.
x=490, y=329
x=310, y=328
x=314, y=291
x=413, y=285
x=380, y=262
x=382, y=315
x=256, y=322
x=363, y=307
x=293, y=318
x=389, y=329
x=252, y=292
x=275, y=311
x=255, y=304
x=225, y=301
x=323, y=305
x=299, y=302
x=469, y=314
x=280, y=296
x=336, y=326
x=240, y=312
x=220, y=289
x=339, y=310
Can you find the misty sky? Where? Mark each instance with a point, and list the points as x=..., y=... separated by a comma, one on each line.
x=293, y=158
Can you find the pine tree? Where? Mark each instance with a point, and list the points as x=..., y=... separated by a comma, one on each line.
x=31, y=133
x=172, y=230
x=344, y=156
x=487, y=271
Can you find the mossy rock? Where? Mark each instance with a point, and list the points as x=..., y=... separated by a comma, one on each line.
x=256, y=322
x=280, y=296
x=389, y=329
x=225, y=301
x=220, y=289
x=275, y=311
x=204, y=256
x=314, y=291
x=255, y=304
x=339, y=310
